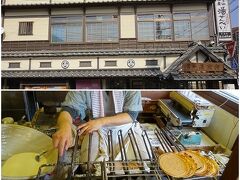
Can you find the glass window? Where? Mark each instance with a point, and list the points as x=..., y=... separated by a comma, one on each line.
x=110, y=63
x=202, y=85
x=25, y=28
x=192, y=85
x=85, y=63
x=102, y=28
x=151, y=62
x=182, y=26
x=14, y=65
x=154, y=27
x=199, y=25
x=66, y=29
x=191, y=26
x=232, y=95
x=146, y=31
x=45, y=64
x=163, y=26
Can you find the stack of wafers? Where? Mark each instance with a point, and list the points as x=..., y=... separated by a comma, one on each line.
x=187, y=163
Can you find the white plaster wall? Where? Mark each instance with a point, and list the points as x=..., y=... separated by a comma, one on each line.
x=140, y=62
x=128, y=28
x=193, y=59
x=40, y=29
x=11, y=2
x=201, y=57
x=122, y=62
x=56, y=63
x=224, y=128
x=24, y=65
x=169, y=61
x=220, y=55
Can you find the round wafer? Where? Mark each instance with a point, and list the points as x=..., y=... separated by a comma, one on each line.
x=174, y=165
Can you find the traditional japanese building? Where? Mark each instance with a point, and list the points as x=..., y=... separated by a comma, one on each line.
x=112, y=44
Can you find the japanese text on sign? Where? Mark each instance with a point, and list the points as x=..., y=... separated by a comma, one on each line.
x=223, y=20
x=203, y=67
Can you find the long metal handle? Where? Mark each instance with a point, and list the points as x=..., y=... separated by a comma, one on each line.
x=123, y=151
x=71, y=173
x=163, y=145
x=89, y=173
x=165, y=140
x=59, y=172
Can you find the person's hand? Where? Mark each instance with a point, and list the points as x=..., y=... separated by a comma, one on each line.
x=62, y=139
x=90, y=126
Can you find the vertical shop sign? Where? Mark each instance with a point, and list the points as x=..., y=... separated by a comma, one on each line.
x=223, y=20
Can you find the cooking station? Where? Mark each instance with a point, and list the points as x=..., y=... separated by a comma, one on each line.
x=154, y=140
x=165, y=134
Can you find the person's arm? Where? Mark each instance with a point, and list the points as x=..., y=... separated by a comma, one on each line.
x=94, y=125
x=73, y=106
x=62, y=139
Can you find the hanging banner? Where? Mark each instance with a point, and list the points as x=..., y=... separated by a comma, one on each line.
x=223, y=20
x=234, y=63
x=231, y=48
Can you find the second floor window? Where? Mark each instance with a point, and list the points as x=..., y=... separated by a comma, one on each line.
x=25, y=28
x=45, y=64
x=66, y=29
x=154, y=27
x=191, y=26
x=102, y=28
x=182, y=27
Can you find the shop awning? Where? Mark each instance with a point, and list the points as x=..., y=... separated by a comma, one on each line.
x=151, y=72
x=202, y=77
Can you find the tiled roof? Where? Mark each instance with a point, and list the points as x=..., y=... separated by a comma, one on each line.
x=194, y=77
x=151, y=72
x=95, y=2
x=45, y=53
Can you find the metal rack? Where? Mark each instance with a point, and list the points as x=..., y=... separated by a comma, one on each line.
x=125, y=168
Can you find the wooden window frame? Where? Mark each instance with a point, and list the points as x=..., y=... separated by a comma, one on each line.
x=191, y=30
x=182, y=39
x=65, y=24
x=40, y=64
x=25, y=28
x=151, y=60
x=85, y=62
x=110, y=61
x=154, y=20
x=15, y=63
x=117, y=21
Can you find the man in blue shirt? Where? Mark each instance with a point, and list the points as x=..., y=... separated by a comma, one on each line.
x=105, y=110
